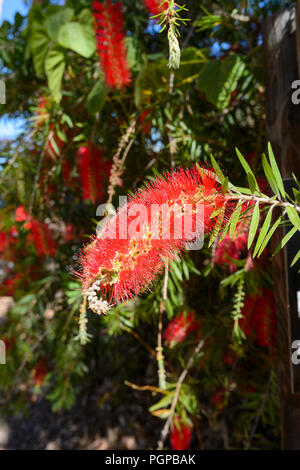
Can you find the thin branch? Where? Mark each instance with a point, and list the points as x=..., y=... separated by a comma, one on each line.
x=143, y=388
x=36, y=179
x=118, y=162
x=166, y=428
x=263, y=200
x=259, y=413
x=159, y=348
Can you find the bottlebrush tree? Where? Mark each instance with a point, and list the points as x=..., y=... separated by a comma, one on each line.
x=108, y=113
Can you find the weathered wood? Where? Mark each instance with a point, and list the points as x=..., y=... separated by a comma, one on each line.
x=283, y=130
x=281, y=70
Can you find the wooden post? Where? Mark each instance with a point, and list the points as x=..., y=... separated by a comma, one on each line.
x=283, y=131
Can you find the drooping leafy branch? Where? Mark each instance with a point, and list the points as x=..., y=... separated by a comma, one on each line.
x=290, y=207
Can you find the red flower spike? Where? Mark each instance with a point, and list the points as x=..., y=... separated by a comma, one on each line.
x=155, y=6
x=43, y=239
x=40, y=371
x=111, y=46
x=217, y=400
x=3, y=241
x=180, y=435
x=92, y=172
x=127, y=264
x=259, y=318
x=53, y=145
x=42, y=113
x=178, y=328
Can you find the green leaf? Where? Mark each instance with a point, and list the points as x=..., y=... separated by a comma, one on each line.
x=218, y=79
x=293, y=216
x=285, y=239
x=134, y=53
x=247, y=168
x=217, y=169
x=96, y=98
x=276, y=171
x=225, y=186
x=296, y=195
x=39, y=45
x=269, y=235
x=253, y=225
x=163, y=403
x=269, y=175
x=263, y=231
x=55, y=66
x=296, y=258
x=251, y=182
x=235, y=218
x=54, y=22
x=78, y=37
x=86, y=16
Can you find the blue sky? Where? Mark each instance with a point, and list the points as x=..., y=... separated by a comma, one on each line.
x=10, y=7
x=9, y=128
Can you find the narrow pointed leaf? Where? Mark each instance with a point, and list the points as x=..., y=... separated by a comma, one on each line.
x=285, y=239
x=251, y=183
x=253, y=225
x=217, y=169
x=263, y=231
x=294, y=217
x=246, y=167
x=276, y=171
x=269, y=175
x=297, y=257
x=225, y=186
x=269, y=235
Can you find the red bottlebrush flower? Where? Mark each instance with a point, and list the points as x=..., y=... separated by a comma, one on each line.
x=230, y=249
x=145, y=122
x=217, y=400
x=21, y=214
x=9, y=342
x=178, y=328
x=42, y=113
x=40, y=371
x=180, y=434
x=155, y=6
x=232, y=97
x=230, y=357
x=263, y=184
x=70, y=232
x=43, y=239
x=259, y=318
x=110, y=38
x=91, y=170
x=154, y=226
x=3, y=241
x=53, y=145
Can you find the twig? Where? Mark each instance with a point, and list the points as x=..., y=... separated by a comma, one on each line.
x=118, y=162
x=159, y=348
x=165, y=430
x=137, y=336
x=14, y=158
x=143, y=388
x=262, y=200
x=36, y=178
x=259, y=413
x=21, y=367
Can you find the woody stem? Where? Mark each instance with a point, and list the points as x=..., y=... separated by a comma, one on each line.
x=263, y=200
